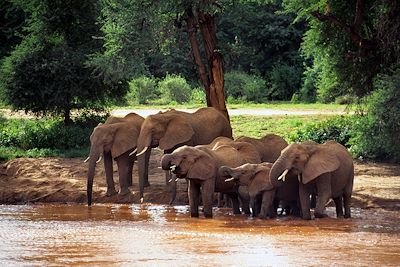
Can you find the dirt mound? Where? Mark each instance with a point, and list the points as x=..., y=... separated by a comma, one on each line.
x=63, y=180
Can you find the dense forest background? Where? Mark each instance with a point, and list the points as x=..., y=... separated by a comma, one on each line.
x=58, y=56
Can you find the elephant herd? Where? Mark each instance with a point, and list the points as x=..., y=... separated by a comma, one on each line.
x=257, y=175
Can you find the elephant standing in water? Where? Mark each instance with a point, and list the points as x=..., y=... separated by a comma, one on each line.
x=115, y=139
x=172, y=129
x=255, y=177
x=200, y=164
x=327, y=168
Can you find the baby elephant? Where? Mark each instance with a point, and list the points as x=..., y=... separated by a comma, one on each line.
x=199, y=165
x=256, y=178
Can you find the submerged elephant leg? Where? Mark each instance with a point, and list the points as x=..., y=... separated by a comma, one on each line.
x=267, y=206
x=194, y=194
x=235, y=203
x=339, y=206
x=304, y=195
x=123, y=170
x=108, y=167
x=207, y=192
x=324, y=193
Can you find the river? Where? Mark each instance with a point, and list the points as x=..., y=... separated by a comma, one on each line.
x=156, y=235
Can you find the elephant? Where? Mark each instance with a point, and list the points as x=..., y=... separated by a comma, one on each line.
x=115, y=139
x=269, y=146
x=256, y=178
x=200, y=164
x=326, y=168
x=172, y=129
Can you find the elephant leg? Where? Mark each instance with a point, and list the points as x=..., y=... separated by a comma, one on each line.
x=123, y=170
x=146, y=169
x=347, y=199
x=339, y=206
x=324, y=193
x=108, y=167
x=267, y=205
x=255, y=205
x=304, y=195
x=130, y=172
x=244, y=199
x=194, y=194
x=207, y=192
x=235, y=203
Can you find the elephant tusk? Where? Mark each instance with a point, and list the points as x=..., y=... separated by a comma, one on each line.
x=176, y=180
x=99, y=159
x=170, y=180
x=86, y=160
x=230, y=179
x=141, y=152
x=299, y=177
x=283, y=175
x=173, y=167
x=133, y=152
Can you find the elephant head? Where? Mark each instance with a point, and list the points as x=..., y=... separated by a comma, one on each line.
x=190, y=162
x=116, y=138
x=164, y=130
x=307, y=160
x=254, y=176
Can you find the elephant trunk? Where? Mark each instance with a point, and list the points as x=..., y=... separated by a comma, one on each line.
x=94, y=156
x=277, y=170
x=166, y=162
x=143, y=155
x=224, y=171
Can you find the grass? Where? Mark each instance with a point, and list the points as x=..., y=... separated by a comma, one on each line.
x=285, y=126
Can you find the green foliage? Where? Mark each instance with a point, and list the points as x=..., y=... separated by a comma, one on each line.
x=340, y=129
x=378, y=132
x=198, y=96
x=175, y=88
x=240, y=85
x=46, y=137
x=143, y=89
x=284, y=81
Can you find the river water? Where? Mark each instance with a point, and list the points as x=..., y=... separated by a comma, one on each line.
x=155, y=235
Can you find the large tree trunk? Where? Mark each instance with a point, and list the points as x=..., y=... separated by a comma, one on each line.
x=213, y=80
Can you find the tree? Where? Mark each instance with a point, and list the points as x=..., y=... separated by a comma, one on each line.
x=50, y=71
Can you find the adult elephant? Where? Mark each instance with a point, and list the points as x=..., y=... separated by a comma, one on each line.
x=269, y=147
x=115, y=139
x=171, y=129
x=328, y=168
x=255, y=177
x=200, y=164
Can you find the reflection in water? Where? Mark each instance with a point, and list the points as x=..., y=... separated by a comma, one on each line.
x=60, y=235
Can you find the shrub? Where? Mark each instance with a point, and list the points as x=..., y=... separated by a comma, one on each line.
x=284, y=81
x=240, y=85
x=142, y=89
x=198, y=96
x=175, y=88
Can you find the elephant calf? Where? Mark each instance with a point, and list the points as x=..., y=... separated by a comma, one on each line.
x=199, y=165
x=256, y=178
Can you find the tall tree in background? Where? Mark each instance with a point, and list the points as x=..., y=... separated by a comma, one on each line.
x=135, y=29
x=49, y=72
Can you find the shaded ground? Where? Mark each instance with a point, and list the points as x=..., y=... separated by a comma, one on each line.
x=27, y=180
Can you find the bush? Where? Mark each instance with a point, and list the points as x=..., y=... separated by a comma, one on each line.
x=198, y=96
x=378, y=133
x=174, y=88
x=284, y=81
x=142, y=89
x=338, y=128
x=242, y=86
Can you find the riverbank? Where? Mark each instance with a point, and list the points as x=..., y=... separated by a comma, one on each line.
x=63, y=180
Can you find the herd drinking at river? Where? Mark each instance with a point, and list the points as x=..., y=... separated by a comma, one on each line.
x=259, y=176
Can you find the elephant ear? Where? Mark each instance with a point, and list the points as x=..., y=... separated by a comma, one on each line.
x=203, y=168
x=177, y=132
x=321, y=161
x=125, y=139
x=260, y=182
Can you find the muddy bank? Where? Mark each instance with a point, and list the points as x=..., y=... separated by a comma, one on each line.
x=27, y=180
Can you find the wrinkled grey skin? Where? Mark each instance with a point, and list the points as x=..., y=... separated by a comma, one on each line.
x=172, y=129
x=115, y=139
x=255, y=177
x=199, y=165
x=327, y=168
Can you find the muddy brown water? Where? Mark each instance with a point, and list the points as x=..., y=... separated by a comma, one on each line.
x=157, y=235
